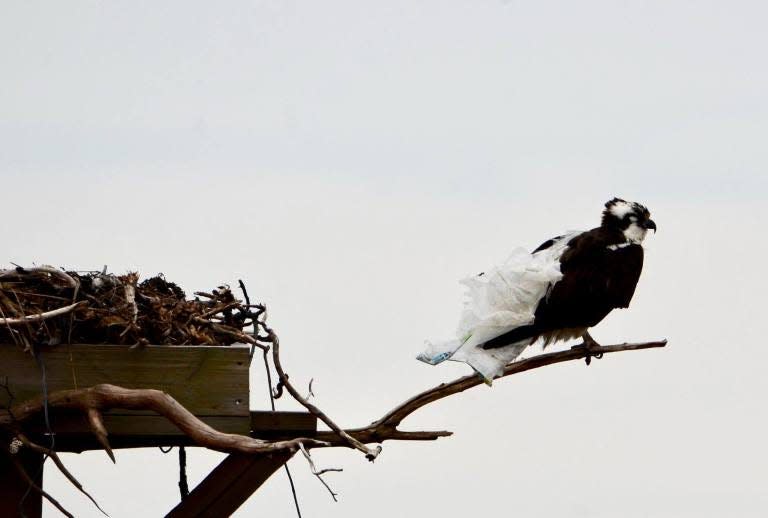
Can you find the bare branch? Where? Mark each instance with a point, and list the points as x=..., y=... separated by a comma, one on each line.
x=370, y=453
x=230, y=331
x=130, y=298
x=386, y=427
x=48, y=270
x=59, y=464
x=104, y=397
x=395, y=416
x=319, y=474
x=41, y=316
x=310, y=394
x=37, y=488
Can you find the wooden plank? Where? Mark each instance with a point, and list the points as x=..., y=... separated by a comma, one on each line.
x=207, y=380
x=229, y=485
x=280, y=425
x=13, y=488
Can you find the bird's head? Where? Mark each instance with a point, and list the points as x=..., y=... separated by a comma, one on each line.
x=631, y=218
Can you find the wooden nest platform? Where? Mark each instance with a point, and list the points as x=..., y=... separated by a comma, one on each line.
x=64, y=331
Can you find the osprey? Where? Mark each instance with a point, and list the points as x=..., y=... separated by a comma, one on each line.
x=557, y=292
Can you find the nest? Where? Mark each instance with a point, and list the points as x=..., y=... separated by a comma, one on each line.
x=45, y=305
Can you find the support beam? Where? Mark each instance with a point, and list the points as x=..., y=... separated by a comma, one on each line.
x=281, y=425
x=229, y=485
x=13, y=487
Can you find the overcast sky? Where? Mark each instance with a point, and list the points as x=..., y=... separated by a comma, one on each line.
x=352, y=160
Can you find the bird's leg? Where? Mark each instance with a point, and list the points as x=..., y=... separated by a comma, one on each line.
x=590, y=345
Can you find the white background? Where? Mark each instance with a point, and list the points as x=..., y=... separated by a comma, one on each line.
x=352, y=160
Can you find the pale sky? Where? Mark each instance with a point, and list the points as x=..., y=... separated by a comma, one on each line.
x=352, y=160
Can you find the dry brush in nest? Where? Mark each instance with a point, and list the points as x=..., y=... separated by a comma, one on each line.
x=51, y=306
x=45, y=305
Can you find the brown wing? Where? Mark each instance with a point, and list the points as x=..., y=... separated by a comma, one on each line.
x=598, y=276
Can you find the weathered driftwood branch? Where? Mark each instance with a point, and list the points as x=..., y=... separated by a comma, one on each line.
x=95, y=399
x=385, y=428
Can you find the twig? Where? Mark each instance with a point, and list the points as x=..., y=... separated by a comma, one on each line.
x=310, y=394
x=41, y=316
x=245, y=292
x=226, y=330
x=219, y=309
x=41, y=295
x=59, y=464
x=370, y=453
x=319, y=474
x=37, y=488
x=130, y=298
x=49, y=270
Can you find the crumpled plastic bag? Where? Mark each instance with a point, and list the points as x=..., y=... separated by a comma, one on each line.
x=501, y=299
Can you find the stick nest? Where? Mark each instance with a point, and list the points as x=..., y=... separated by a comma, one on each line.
x=116, y=309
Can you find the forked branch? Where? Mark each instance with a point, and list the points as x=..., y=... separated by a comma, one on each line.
x=385, y=428
x=39, y=490
x=348, y=440
x=96, y=399
x=60, y=465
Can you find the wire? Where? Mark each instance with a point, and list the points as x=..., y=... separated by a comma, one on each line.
x=272, y=402
x=48, y=428
x=271, y=395
x=183, y=485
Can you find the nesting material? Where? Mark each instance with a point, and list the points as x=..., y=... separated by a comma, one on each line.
x=46, y=305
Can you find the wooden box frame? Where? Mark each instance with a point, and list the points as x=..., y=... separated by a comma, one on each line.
x=212, y=382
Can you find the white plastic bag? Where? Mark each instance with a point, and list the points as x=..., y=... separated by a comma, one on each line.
x=501, y=299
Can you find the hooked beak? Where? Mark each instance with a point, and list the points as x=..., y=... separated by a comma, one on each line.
x=650, y=225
